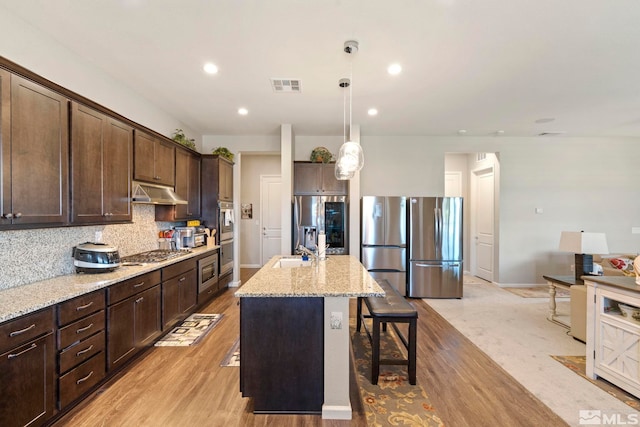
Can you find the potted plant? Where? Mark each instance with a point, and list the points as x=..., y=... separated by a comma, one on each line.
x=223, y=152
x=181, y=138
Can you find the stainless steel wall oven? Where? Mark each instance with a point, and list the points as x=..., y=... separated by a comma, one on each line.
x=207, y=273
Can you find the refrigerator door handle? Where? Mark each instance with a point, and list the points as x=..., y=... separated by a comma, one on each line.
x=429, y=265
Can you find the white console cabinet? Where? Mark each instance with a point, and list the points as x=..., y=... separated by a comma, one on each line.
x=613, y=340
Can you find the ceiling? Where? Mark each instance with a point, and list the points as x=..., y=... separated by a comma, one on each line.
x=481, y=66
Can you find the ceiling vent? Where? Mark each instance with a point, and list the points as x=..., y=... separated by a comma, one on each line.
x=286, y=85
x=555, y=133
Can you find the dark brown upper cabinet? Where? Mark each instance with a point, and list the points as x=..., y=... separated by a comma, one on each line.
x=35, y=154
x=101, y=167
x=317, y=179
x=187, y=187
x=154, y=159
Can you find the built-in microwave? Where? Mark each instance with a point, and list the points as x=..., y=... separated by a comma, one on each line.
x=207, y=273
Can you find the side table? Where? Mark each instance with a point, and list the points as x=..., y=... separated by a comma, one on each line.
x=554, y=282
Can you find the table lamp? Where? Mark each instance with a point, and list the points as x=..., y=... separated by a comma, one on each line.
x=583, y=245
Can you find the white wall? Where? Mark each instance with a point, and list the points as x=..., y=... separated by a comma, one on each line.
x=580, y=183
x=460, y=163
x=28, y=47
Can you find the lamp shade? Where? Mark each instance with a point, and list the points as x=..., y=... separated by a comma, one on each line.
x=341, y=170
x=351, y=156
x=580, y=242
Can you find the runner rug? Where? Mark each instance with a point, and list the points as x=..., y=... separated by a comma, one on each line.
x=393, y=401
x=578, y=364
x=192, y=330
x=232, y=358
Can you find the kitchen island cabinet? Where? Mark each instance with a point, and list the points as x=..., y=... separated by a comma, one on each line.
x=101, y=167
x=154, y=159
x=27, y=370
x=293, y=360
x=35, y=154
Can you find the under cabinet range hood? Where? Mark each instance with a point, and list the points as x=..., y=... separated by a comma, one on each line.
x=152, y=194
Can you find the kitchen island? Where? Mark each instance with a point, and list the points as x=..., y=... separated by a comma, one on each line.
x=294, y=335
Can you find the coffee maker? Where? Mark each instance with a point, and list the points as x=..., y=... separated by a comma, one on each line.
x=183, y=237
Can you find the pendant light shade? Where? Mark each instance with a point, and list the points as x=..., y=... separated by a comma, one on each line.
x=350, y=157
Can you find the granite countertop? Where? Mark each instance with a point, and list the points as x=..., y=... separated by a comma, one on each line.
x=20, y=300
x=337, y=276
x=623, y=282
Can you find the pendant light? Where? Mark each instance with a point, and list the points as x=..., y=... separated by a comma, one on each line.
x=341, y=170
x=350, y=157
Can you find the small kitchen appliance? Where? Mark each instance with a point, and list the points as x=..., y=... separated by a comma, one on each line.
x=92, y=258
x=185, y=237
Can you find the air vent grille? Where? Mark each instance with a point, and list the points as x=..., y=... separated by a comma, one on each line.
x=481, y=156
x=286, y=85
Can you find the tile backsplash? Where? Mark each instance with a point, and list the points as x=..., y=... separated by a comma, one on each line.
x=28, y=256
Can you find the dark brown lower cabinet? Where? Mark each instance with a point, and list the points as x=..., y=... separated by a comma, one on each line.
x=27, y=379
x=132, y=324
x=282, y=342
x=179, y=297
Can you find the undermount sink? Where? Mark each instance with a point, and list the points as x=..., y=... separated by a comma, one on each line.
x=292, y=262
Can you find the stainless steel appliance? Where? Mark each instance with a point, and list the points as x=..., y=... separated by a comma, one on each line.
x=156, y=255
x=207, y=273
x=184, y=237
x=315, y=214
x=226, y=220
x=95, y=258
x=384, y=239
x=435, y=247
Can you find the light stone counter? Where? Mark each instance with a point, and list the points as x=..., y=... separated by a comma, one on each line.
x=24, y=299
x=337, y=276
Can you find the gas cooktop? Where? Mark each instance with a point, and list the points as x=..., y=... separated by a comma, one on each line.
x=156, y=255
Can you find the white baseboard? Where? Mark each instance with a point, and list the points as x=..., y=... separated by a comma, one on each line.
x=250, y=266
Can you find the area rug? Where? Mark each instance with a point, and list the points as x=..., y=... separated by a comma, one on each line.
x=232, y=358
x=393, y=401
x=192, y=330
x=537, y=292
x=578, y=364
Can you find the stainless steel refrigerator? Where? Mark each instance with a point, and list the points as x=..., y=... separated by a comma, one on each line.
x=315, y=214
x=435, y=247
x=384, y=239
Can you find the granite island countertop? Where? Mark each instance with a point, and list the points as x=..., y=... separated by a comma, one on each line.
x=623, y=282
x=337, y=276
x=24, y=299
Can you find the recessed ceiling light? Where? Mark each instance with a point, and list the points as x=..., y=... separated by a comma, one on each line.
x=545, y=120
x=243, y=111
x=210, y=68
x=372, y=112
x=462, y=132
x=394, y=69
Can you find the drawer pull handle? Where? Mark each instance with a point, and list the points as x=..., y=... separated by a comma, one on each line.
x=81, y=380
x=182, y=279
x=139, y=300
x=22, y=331
x=86, y=328
x=138, y=285
x=85, y=350
x=82, y=307
x=11, y=356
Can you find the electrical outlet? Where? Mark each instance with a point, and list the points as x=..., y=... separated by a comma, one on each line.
x=573, y=268
x=98, y=237
x=336, y=320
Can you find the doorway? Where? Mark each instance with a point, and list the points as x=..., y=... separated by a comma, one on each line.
x=270, y=219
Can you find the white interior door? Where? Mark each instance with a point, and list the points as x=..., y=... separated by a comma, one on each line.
x=483, y=193
x=270, y=218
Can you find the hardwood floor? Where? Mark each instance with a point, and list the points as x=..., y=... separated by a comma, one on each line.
x=185, y=386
